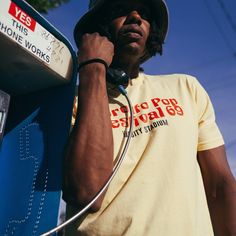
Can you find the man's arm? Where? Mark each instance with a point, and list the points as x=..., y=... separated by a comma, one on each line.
x=220, y=188
x=89, y=154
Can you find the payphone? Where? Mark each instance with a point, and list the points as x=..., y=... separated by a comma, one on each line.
x=38, y=73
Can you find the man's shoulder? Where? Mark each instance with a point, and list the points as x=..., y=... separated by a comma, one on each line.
x=172, y=78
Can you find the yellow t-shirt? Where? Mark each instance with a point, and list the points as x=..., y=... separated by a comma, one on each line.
x=158, y=190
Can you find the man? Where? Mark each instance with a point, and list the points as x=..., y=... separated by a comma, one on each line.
x=176, y=162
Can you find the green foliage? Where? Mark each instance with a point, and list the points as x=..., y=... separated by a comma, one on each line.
x=43, y=6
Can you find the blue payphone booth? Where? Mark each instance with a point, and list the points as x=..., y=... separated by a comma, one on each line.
x=38, y=72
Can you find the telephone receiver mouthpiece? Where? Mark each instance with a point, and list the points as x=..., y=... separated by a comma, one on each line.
x=117, y=76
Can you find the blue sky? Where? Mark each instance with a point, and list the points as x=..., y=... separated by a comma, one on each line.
x=200, y=42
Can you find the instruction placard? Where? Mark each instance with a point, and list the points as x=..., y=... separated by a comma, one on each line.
x=17, y=25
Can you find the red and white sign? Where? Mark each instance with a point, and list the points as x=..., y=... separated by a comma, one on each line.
x=21, y=16
x=17, y=25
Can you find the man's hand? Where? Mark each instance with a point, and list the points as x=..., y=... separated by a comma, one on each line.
x=95, y=46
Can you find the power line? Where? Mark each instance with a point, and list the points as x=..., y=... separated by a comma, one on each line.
x=227, y=43
x=207, y=63
x=231, y=144
x=227, y=15
x=225, y=81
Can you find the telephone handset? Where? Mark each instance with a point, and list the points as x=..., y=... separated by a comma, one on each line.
x=117, y=76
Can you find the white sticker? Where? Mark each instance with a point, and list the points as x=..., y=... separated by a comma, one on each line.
x=25, y=31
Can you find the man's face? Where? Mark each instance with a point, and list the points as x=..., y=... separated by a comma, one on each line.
x=130, y=26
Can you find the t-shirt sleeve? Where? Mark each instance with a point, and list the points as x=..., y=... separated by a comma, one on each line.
x=209, y=135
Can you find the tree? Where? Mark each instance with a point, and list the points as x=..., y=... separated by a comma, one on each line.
x=43, y=6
